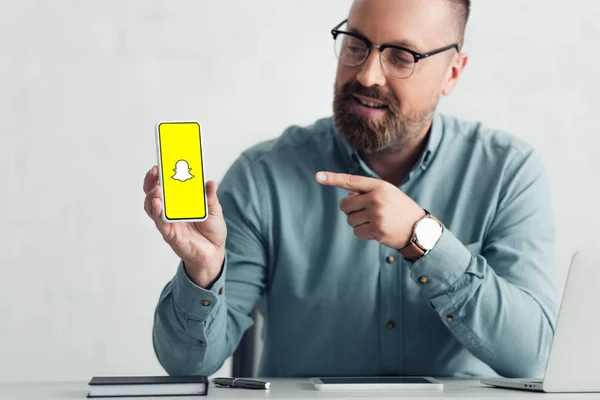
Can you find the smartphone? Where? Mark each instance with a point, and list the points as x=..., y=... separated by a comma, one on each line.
x=181, y=171
x=376, y=383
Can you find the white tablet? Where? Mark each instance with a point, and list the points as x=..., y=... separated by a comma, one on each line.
x=377, y=383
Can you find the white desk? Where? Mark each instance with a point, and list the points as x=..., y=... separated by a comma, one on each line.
x=291, y=389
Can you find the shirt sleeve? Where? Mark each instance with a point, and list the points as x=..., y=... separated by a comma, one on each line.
x=195, y=329
x=500, y=301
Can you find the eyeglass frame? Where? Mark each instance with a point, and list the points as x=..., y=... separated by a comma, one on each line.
x=381, y=47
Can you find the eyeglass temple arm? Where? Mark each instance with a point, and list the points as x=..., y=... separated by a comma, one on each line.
x=431, y=53
x=338, y=25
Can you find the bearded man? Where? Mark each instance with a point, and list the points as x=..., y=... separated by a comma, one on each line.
x=388, y=239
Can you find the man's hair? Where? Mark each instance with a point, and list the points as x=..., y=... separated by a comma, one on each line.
x=462, y=9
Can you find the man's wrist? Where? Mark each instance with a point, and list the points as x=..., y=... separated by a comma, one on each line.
x=409, y=238
x=202, y=276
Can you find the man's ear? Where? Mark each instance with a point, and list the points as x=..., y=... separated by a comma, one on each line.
x=459, y=63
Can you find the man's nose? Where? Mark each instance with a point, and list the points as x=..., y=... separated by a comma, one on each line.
x=371, y=73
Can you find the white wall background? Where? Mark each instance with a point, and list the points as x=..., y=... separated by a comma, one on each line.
x=83, y=82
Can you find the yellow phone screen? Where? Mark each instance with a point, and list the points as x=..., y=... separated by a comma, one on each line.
x=180, y=157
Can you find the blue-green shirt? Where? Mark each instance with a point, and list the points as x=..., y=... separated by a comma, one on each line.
x=334, y=304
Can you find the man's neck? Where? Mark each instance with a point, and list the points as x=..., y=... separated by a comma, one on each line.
x=395, y=165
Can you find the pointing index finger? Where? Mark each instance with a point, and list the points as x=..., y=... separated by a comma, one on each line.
x=354, y=183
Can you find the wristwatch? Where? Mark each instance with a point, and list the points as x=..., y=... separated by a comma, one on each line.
x=426, y=234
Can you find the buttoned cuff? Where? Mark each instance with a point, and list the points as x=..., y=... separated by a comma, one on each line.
x=441, y=267
x=194, y=301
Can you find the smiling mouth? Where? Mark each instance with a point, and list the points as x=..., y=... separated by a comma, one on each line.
x=370, y=103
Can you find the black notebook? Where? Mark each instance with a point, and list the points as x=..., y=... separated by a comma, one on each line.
x=137, y=386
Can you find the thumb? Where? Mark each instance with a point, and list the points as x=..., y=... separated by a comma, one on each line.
x=212, y=202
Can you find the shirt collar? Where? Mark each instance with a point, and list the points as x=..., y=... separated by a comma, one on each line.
x=353, y=161
x=433, y=142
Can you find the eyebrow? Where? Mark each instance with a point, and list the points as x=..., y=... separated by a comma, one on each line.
x=401, y=43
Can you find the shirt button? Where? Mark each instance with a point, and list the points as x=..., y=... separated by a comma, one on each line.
x=449, y=318
x=222, y=290
x=205, y=303
x=389, y=259
x=390, y=324
x=422, y=279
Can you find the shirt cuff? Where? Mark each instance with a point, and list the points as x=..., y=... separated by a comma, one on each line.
x=442, y=266
x=194, y=301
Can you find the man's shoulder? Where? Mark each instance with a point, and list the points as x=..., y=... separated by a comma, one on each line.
x=286, y=157
x=477, y=135
x=294, y=139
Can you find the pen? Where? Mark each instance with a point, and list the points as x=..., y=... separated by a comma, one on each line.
x=241, y=383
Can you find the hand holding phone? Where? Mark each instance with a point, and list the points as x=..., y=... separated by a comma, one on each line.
x=187, y=214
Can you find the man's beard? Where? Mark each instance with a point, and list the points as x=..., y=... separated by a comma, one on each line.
x=375, y=135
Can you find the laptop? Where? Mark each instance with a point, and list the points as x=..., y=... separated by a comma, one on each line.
x=575, y=353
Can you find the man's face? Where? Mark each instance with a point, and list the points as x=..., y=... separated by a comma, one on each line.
x=376, y=112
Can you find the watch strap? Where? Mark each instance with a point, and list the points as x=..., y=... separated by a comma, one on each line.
x=412, y=252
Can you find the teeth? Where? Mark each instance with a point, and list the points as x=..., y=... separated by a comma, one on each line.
x=369, y=104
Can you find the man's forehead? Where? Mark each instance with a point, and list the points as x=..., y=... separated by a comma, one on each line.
x=419, y=24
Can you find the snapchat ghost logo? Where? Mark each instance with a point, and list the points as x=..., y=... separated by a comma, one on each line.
x=182, y=171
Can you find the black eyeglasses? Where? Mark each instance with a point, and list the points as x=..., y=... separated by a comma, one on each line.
x=352, y=49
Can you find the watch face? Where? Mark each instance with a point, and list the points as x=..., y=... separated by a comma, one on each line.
x=428, y=232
